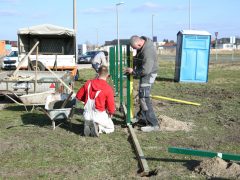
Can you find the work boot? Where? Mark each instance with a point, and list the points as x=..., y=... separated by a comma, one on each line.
x=150, y=128
x=139, y=120
x=94, y=129
x=87, y=130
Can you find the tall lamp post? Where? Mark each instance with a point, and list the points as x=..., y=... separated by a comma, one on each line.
x=118, y=4
x=152, y=25
x=118, y=55
x=97, y=36
x=75, y=28
x=189, y=16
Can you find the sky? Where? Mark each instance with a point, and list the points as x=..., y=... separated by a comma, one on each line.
x=97, y=19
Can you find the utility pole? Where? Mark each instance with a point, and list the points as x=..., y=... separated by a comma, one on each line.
x=97, y=36
x=189, y=20
x=75, y=28
x=152, y=25
x=216, y=35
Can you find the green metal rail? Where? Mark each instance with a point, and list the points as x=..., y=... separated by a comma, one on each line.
x=203, y=153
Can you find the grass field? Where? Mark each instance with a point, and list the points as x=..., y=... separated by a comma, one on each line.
x=30, y=149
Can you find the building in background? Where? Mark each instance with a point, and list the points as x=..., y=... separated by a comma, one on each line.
x=228, y=43
x=6, y=47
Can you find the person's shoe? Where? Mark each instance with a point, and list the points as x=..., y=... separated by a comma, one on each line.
x=150, y=128
x=87, y=130
x=94, y=130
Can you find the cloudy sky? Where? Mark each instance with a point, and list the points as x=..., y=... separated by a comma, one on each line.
x=96, y=19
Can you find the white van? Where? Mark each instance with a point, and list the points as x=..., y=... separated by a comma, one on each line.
x=11, y=61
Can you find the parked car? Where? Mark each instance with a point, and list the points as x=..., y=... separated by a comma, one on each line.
x=88, y=56
x=11, y=60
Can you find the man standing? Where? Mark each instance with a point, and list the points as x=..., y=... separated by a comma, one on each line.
x=146, y=66
x=100, y=59
x=98, y=98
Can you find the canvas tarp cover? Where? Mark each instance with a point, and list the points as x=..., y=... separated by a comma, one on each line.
x=46, y=29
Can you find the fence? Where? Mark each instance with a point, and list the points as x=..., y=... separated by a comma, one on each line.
x=216, y=55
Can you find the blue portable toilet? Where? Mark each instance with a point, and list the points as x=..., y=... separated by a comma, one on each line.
x=192, y=56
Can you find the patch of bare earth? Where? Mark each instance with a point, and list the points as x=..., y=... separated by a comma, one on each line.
x=218, y=168
x=170, y=124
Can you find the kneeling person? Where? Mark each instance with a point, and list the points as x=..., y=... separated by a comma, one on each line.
x=99, y=107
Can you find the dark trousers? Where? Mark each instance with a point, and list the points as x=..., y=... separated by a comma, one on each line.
x=146, y=111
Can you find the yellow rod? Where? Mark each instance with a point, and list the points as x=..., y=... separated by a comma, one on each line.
x=175, y=100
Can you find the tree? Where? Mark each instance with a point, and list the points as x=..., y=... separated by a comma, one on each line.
x=165, y=40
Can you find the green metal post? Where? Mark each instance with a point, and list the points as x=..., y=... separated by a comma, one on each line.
x=129, y=87
x=116, y=71
x=112, y=61
x=124, y=57
x=204, y=153
x=121, y=78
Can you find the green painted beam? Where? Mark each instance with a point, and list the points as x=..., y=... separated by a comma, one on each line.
x=116, y=71
x=203, y=153
x=112, y=62
x=121, y=77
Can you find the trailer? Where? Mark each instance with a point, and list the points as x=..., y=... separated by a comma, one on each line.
x=56, y=49
x=26, y=82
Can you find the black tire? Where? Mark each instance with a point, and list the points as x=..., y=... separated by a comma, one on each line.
x=40, y=65
x=2, y=97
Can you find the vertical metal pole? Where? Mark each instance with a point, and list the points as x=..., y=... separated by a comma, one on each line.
x=97, y=36
x=129, y=87
x=74, y=16
x=189, y=25
x=118, y=47
x=116, y=71
x=152, y=25
x=75, y=28
x=35, y=83
x=121, y=78
x=124, y=57
x=216, y=49
x=111, y=62
x=118, y=42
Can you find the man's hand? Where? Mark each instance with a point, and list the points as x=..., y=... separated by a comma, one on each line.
x=128, y=71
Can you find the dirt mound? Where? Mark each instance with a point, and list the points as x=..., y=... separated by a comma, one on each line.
x=218, y=168
x=169, y=124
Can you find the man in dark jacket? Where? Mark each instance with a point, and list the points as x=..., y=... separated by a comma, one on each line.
x=146, y=67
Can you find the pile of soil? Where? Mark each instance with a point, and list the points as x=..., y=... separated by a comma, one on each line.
x=218, y=168
x=168, y=124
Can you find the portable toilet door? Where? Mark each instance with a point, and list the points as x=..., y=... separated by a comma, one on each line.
x=192, y=56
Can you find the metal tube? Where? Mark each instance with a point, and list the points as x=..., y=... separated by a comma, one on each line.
x=35, y=82
x=121, y=78
x=152, y=25
x=176, y=100
x=204, y=153
x=189, y=25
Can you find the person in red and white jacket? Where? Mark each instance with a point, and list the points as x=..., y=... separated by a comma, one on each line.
x=104, y=103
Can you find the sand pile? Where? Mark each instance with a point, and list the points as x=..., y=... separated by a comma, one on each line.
x=170, y=124
x=218, y=168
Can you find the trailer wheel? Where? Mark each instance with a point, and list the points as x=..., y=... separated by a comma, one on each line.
x=40, y=66
x=2, y=97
